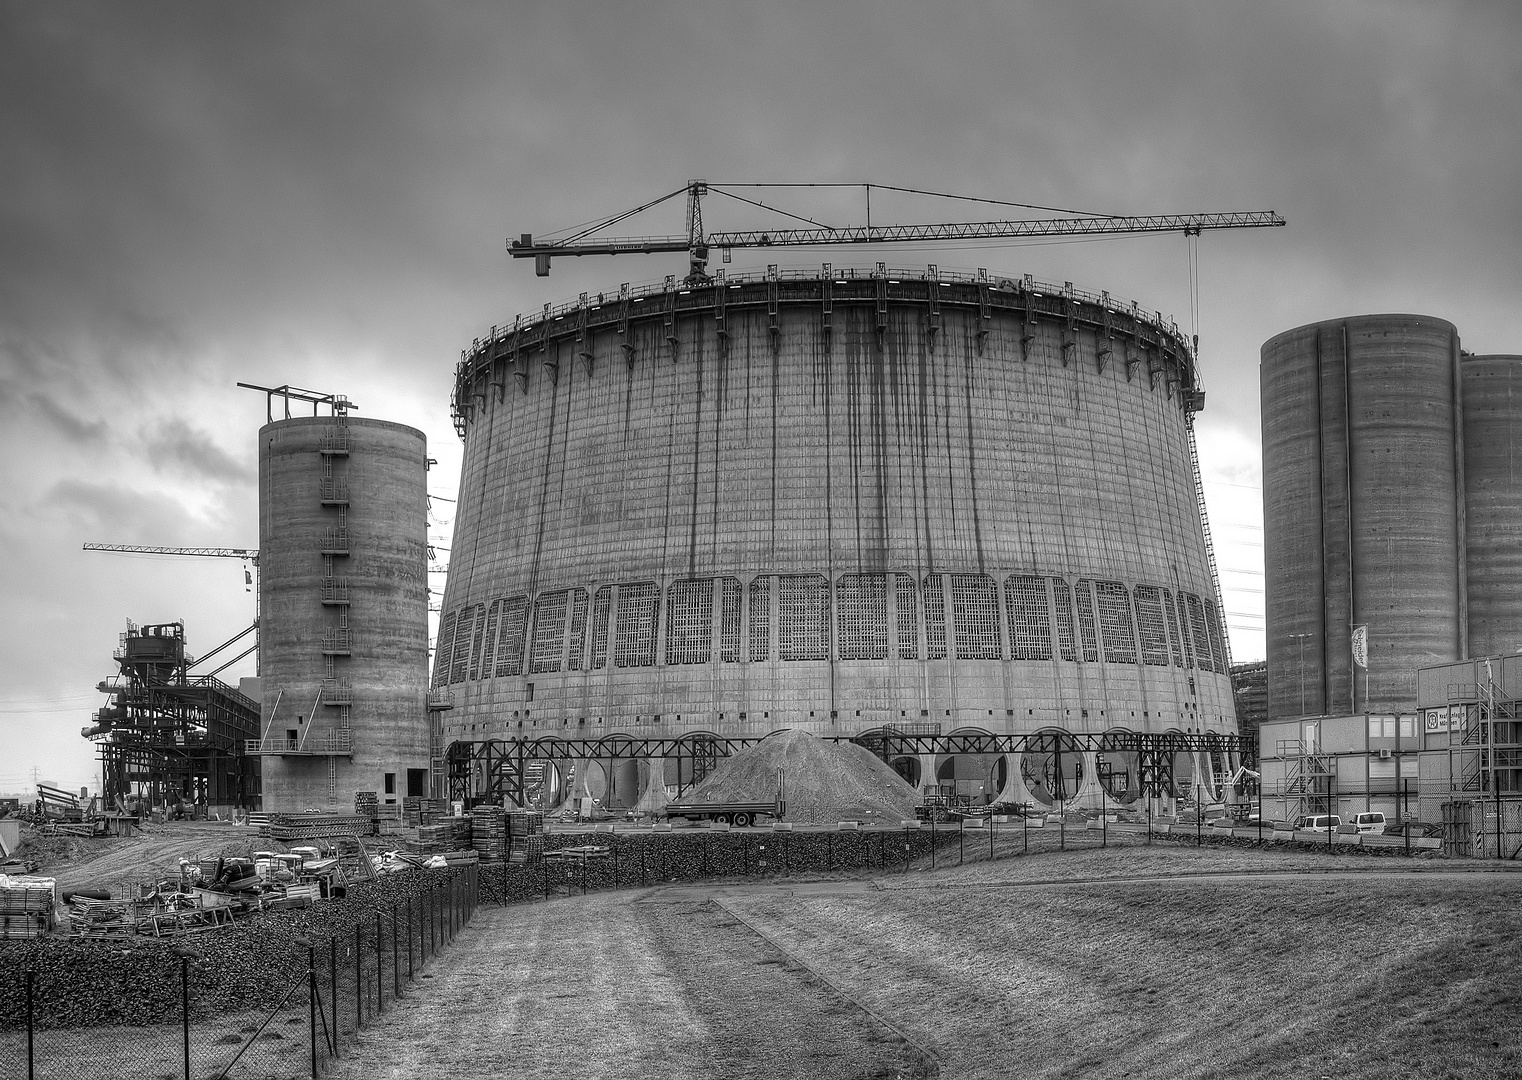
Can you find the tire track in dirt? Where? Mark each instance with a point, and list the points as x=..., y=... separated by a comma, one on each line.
x=930, y=1062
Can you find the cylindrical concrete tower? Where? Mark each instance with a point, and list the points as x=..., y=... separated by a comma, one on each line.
x=1363, y=509
x=1493, y=499
x=834, y=503
x=344, y=611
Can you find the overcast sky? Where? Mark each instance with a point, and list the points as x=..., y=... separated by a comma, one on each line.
x=197, y=194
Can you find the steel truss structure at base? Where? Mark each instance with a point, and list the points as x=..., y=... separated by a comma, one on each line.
x=495, y=771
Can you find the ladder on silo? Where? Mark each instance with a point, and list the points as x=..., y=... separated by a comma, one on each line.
x=1199, y=498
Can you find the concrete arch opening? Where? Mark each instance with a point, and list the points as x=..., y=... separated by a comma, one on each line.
x=971, y=778
x=1053, y=767
x=1119, y=773
x=697, y=755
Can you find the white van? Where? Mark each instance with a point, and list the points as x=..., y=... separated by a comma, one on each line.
x=1373, y=822
x=1318, y=823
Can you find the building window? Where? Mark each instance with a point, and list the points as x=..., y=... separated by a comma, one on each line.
x=1030, y=624
x=390, y=783
x=511, y=632
x=1066, y=645
x=760, y=619
x=634, y=632
x=689, y=622
x=1151, y=623
x=417, y=783
x=1115, y=622
x=861, y=617
x=1408, y=727
x=803, y=617
x=729, y=620
x=975, y=616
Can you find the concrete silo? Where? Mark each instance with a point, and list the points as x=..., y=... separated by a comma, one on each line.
x=1493, y=502
x=836, y=501
x=344, y=609
x=1364, y=524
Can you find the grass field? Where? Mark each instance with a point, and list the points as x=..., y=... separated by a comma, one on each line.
x=1218, y=962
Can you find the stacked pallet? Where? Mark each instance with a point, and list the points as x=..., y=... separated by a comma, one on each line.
x=26, y=906
x=429, y=839
x=525, y=832
x=489, y=832
x=318, y=826
x=367, y=804
x=388, y=819
x=460, y=832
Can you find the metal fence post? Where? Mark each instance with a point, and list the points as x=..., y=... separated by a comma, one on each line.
x=1406, y=812
x=961, y=839
x=990, y=836
x=409, y=939
x=311, y=1004
x=1104, y=817
x=1199, y=817
x=932, y=837
x=31, y=1070
x=185, y=1010
x=333, y=988
x=359, y=979
x=1495, y=779
x=1025, y=830
x=380, y=972
x=396, y=966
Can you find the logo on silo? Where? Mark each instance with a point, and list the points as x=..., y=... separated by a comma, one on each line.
x=1361, y=646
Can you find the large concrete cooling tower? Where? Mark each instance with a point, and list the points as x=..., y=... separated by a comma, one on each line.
x=344, y=611
x=832, y=502
x=1363, y=475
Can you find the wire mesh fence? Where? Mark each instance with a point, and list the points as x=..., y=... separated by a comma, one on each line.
x=164, y=1015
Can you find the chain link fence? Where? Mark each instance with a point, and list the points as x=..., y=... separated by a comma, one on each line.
x=164, y=1014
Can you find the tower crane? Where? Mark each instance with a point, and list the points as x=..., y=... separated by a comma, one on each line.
x=248, y=555
x=698, y=244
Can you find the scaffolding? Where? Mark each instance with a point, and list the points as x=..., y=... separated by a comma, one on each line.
x=1307, y=785
x=168, y=736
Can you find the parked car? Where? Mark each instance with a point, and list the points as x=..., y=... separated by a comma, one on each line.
x=1317, y=823
x=1370, y=822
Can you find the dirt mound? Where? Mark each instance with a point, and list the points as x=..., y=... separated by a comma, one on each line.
x=822, y=781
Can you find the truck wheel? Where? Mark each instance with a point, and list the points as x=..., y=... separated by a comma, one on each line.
x=742, y=820
x=723, y=819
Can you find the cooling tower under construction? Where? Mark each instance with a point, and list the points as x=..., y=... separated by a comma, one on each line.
x=832, y=502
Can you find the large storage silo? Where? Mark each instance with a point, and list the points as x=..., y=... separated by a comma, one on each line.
x=1363, y=510
x=344, y=610
x=1493, y=499
x=834, y=502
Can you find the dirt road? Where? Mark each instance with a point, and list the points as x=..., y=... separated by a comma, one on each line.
x=600, y=987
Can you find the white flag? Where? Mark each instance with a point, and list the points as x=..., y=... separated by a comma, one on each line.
x=1361, y=646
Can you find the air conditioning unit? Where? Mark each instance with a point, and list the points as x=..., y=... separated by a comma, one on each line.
x=1386, y=755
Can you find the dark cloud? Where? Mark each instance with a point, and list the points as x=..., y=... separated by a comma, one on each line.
x=175, y=446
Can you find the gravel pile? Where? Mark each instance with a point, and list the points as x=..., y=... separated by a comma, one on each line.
x=822, y=781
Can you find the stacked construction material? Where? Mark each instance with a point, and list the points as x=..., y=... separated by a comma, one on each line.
x=388, y=819
x=460, y=834
x=429, y=839
x=525, y=831
x=367, y=804
x=489, y=832
x=316, y=826
x=419, y=811
x=26, y=906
